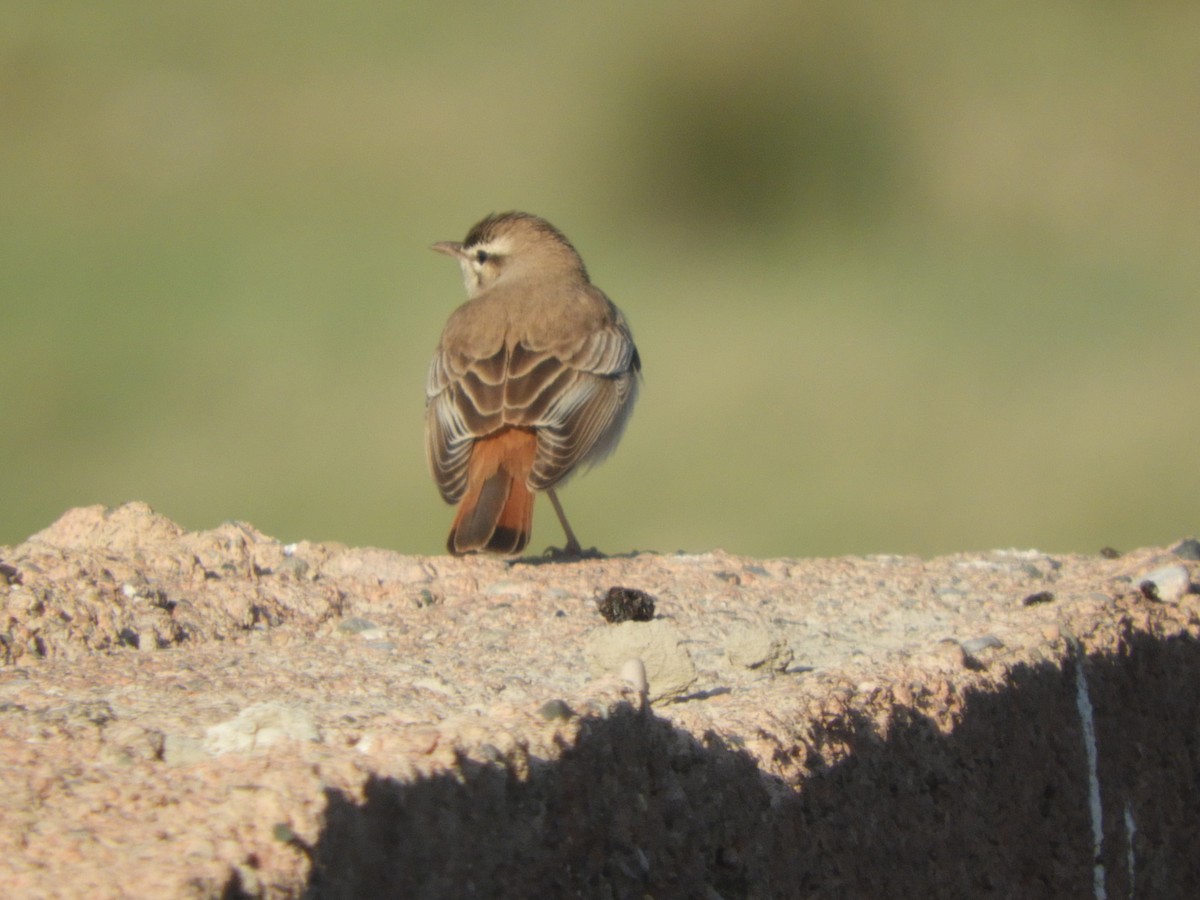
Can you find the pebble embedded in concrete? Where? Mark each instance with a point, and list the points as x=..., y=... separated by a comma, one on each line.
x=259, y=726
x=1170, y=583
x=658, y=644
x=755, y=646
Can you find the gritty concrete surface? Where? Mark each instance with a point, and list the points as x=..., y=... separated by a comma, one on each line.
x=218, y=714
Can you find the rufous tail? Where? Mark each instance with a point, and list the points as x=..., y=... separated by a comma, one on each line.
x=495, y=514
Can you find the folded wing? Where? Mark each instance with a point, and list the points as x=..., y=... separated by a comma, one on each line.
x=576, y=396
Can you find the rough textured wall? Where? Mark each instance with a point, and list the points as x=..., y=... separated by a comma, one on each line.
x=208, y=714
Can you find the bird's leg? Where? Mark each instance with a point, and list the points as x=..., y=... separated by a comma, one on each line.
x=572, y=548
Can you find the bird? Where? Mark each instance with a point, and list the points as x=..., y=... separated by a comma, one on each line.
x=534, y=377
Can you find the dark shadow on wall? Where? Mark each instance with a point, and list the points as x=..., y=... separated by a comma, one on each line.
x=999, y=807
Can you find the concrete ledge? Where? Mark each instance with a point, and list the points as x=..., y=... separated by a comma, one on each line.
x=218, y=714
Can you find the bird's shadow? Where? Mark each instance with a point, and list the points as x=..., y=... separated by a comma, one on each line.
x=561, y=556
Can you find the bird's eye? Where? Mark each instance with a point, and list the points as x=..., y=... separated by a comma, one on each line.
x=481, y=256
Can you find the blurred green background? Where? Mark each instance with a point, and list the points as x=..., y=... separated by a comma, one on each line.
x=909, y=277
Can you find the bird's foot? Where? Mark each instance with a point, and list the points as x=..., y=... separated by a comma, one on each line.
x=571, y=551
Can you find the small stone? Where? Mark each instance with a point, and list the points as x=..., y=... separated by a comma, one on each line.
x=553, y=710
x=1167, y=585
x=1110, y=553
x=356, y=625
x=978, y=645
x=259, y=726
x=658, y=644
x=1039, y=597
x=1187, y=549
x=426, y=598
x=294, y=567
x=755, y=646
x=634, y=674
x=977, y=652
x=622, y=604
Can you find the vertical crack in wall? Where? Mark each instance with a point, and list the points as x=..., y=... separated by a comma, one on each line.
x=1083, y=703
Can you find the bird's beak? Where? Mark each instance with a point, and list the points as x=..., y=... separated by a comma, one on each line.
x=450, y=248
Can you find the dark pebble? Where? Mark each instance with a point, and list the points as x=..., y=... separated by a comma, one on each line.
x=623, y=604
